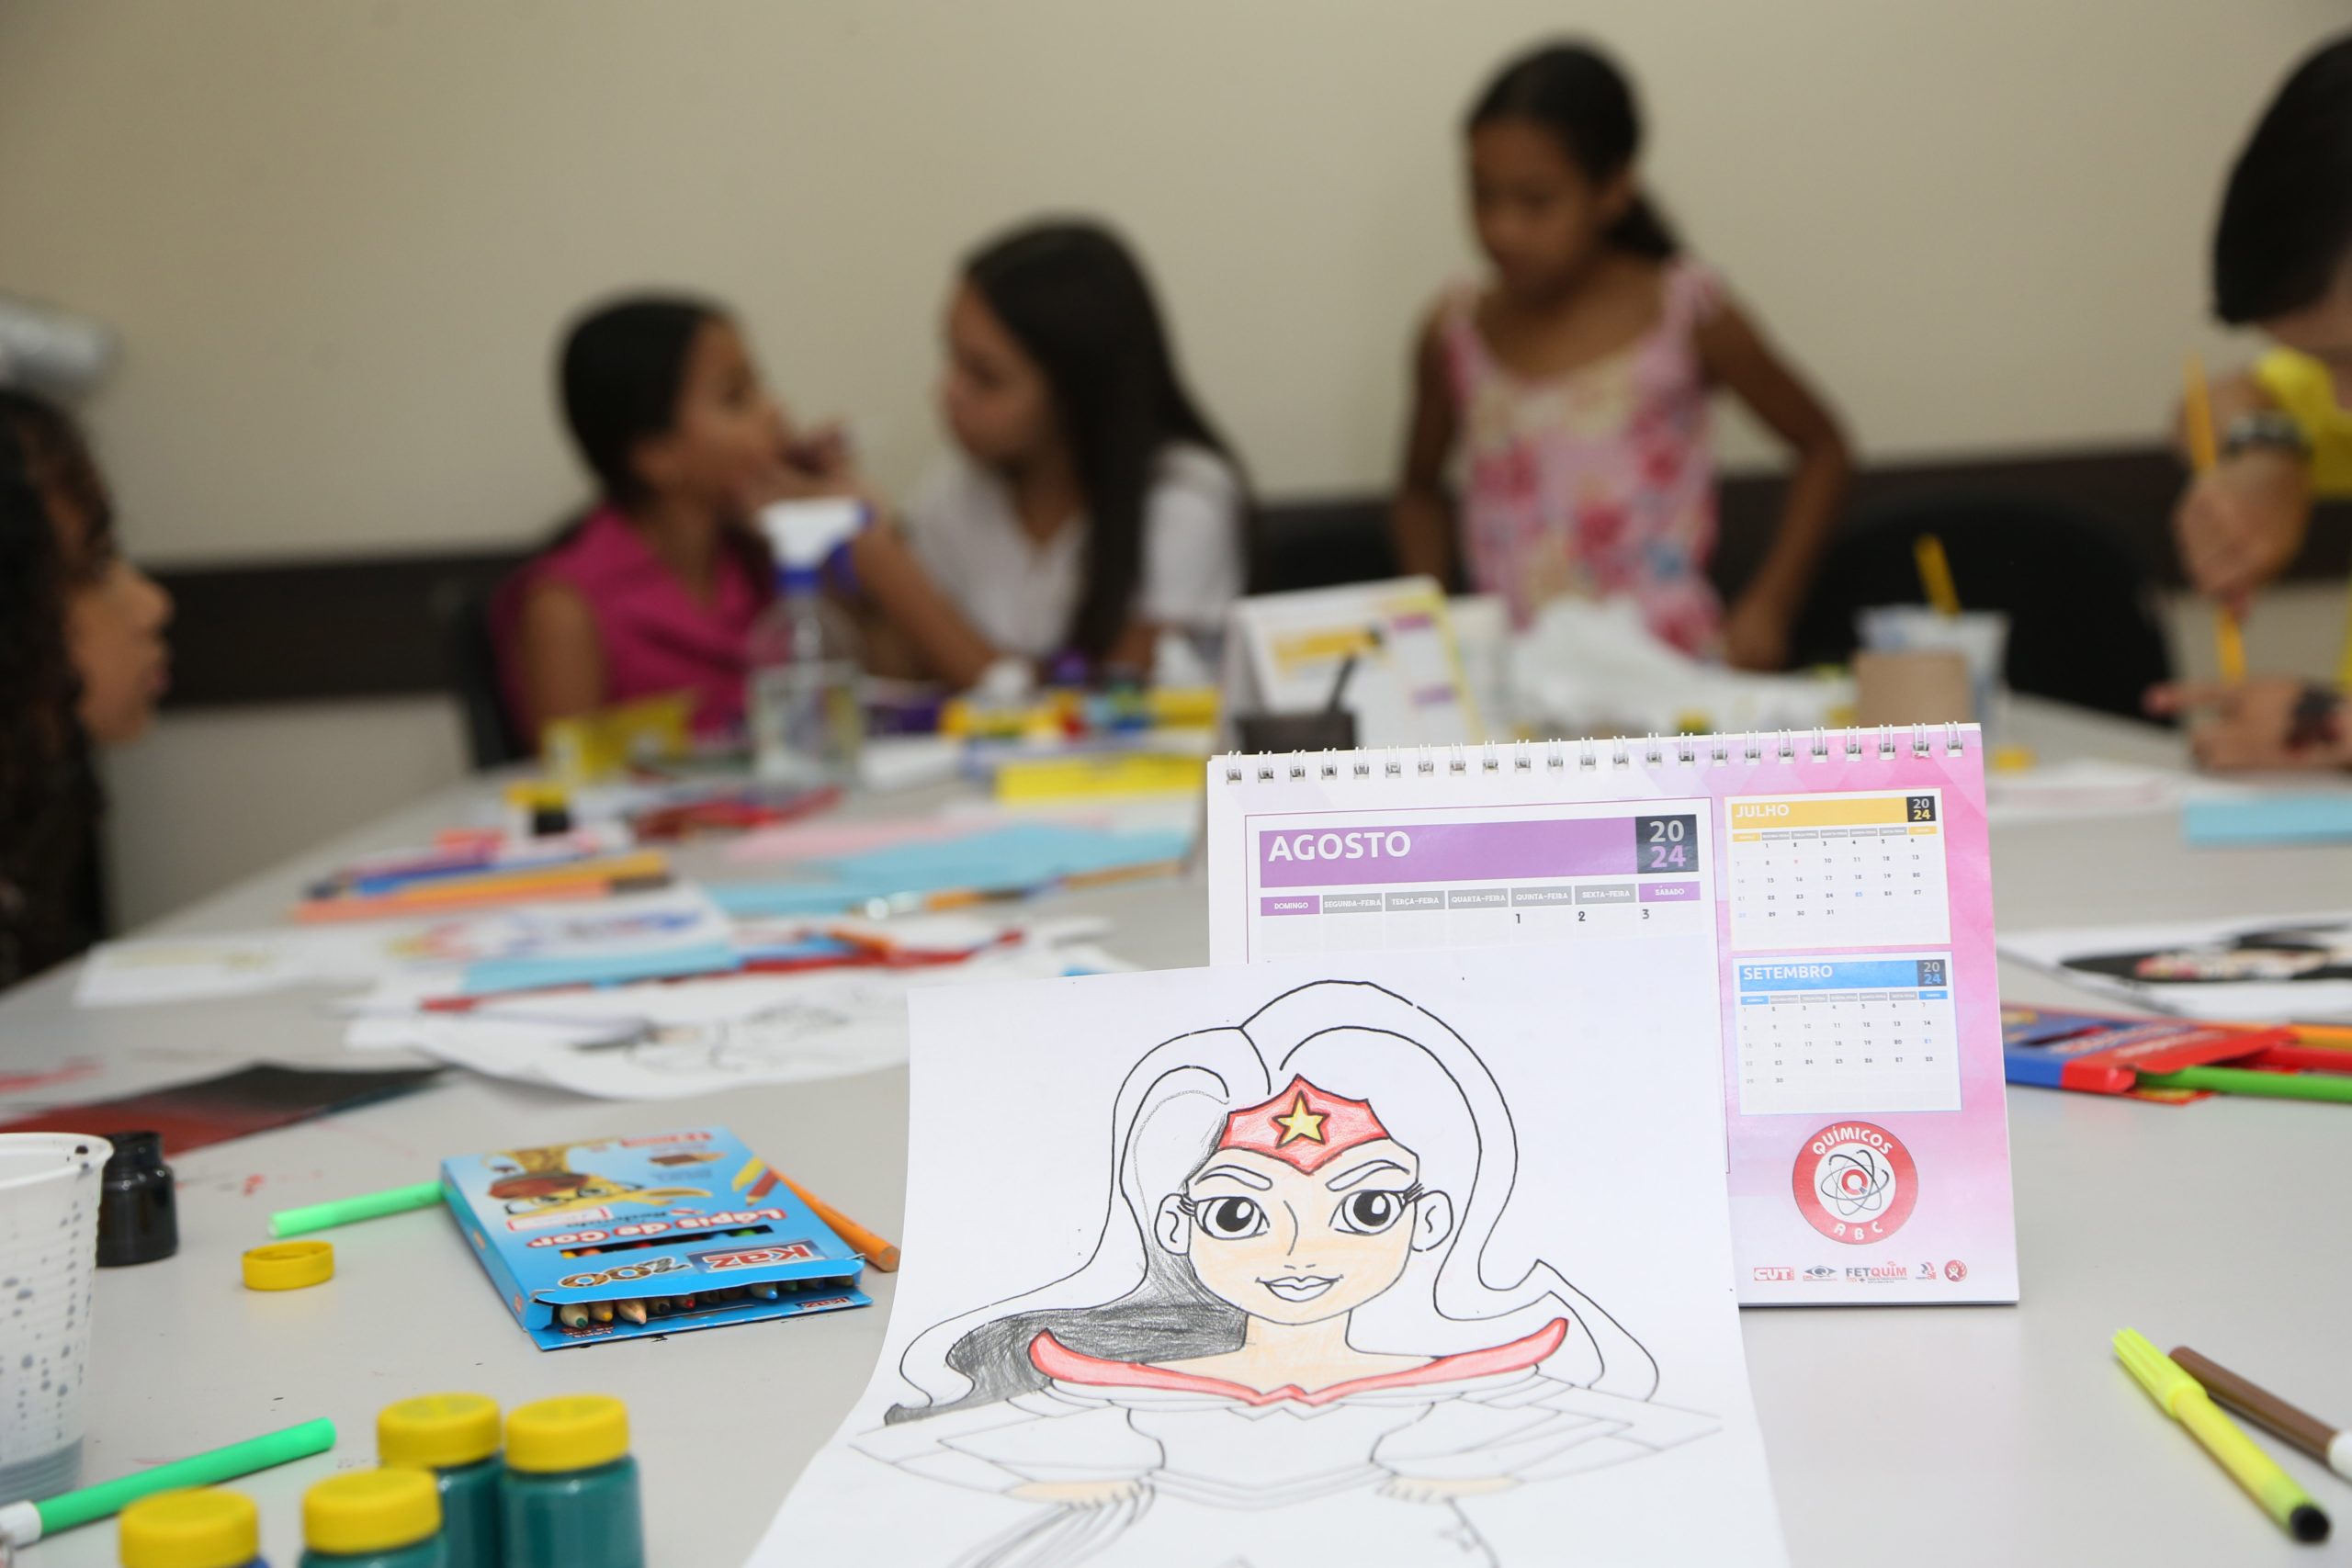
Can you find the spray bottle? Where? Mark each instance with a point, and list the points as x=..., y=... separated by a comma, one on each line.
x=806, y=681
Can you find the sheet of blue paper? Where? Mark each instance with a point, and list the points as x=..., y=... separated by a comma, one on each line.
x=2268, y=820
x=1003, y=860
x=495, y=977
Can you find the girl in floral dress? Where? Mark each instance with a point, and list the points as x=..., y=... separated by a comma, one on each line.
x=1568, y=394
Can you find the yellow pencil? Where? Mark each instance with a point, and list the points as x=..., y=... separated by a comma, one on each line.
x=2196, y=418
x=1935, y=573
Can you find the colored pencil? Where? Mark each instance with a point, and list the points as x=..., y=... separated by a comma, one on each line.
x=883, y=1255
x=588, y=878
x=1935, y=574
x=2204, y=452
x=2259, y=1085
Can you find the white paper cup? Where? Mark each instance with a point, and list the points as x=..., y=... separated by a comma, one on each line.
x=49, y=1260
x=1980, y=637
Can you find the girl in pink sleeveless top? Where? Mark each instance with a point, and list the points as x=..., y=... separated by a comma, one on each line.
x=656, y=589
x=1570, y=396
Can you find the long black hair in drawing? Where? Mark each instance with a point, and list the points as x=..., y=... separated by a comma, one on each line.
x=2285, y=232
x=1134, y=1300
x=1579, y=95
x=1077, y=301
x=49, y=801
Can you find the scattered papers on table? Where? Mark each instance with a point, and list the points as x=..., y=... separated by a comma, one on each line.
x=237, y=963
x=2092, y=787
x=692, y=1037
x=636, y=936
x=1589, y=668
x=2257, y=969
x=1009, y=859
x=1378, y=1264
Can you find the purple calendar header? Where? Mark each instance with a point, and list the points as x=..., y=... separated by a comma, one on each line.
x=1452, y=851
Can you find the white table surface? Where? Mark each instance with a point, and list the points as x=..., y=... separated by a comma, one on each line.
x=1919, y=1435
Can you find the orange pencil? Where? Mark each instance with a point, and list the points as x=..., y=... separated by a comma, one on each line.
x=608, y=868
x=621, y=873
x=871, y=1248
x=2331, y=1036
x=324, y=911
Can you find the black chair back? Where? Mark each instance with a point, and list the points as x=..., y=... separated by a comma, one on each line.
x=493, y=738
x=2083, y=627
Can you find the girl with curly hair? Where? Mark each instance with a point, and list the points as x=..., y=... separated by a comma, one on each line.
x=82, y=664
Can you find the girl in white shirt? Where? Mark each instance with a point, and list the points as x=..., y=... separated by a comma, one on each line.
x=1090, y=508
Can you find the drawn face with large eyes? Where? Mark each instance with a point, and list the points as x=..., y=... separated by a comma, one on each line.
x=1299, y=1246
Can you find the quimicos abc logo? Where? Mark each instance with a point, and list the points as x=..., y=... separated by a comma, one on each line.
x=1855, y=1183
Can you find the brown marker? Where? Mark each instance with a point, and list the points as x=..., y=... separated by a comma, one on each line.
x=2259, y=1404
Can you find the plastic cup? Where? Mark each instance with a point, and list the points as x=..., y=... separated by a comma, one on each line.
x=1980, y=637
x=49, y=1260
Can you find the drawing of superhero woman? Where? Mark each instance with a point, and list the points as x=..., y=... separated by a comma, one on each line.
x=1286, y=1347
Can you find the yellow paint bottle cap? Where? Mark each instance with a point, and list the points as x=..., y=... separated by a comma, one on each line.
x=290, y=1265
x=438, y=1431
x=578, y=1432
x=371, y=1510
x=197, y=1528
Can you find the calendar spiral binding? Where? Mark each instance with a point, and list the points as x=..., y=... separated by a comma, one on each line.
x=1590, y=755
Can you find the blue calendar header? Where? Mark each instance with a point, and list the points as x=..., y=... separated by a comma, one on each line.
x=1844, y=975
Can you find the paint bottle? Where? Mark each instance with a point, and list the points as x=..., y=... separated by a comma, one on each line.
x=570, y=1494
x=373, y=1519
x=454, y=1437
x=200, y=1528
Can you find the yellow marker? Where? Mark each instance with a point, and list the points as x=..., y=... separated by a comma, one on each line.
x=2196, y=423
x=2184, y=1399
x=1935, y=574
x=1038, y=781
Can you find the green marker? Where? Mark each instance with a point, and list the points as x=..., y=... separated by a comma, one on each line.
x=2248, y=1081
x=25, y=1523
x=343, y=1210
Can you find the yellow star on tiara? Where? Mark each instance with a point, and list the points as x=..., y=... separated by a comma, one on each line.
x=1300, y=1124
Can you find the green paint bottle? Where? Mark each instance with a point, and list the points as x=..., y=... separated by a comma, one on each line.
x=373, y=1519
x=452, y=1437
x=568, y=1496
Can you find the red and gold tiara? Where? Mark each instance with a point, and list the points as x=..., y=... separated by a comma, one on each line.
x=1303, y=1126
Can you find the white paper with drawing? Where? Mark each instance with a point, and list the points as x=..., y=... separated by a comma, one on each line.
x=1396, y=1260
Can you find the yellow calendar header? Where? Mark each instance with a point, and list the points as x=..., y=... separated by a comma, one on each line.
x=1821, y=811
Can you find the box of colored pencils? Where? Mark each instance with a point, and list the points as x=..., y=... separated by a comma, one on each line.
x=614, y=1238
x=2097, y=1054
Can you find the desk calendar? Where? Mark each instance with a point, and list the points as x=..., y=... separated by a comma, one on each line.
x=1831, y=892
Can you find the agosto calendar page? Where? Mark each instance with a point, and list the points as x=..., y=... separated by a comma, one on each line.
x=1828, y=896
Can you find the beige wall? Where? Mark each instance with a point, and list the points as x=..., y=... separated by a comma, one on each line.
x=338, y=237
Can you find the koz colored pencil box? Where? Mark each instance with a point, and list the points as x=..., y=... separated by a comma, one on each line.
x=613, y=1238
